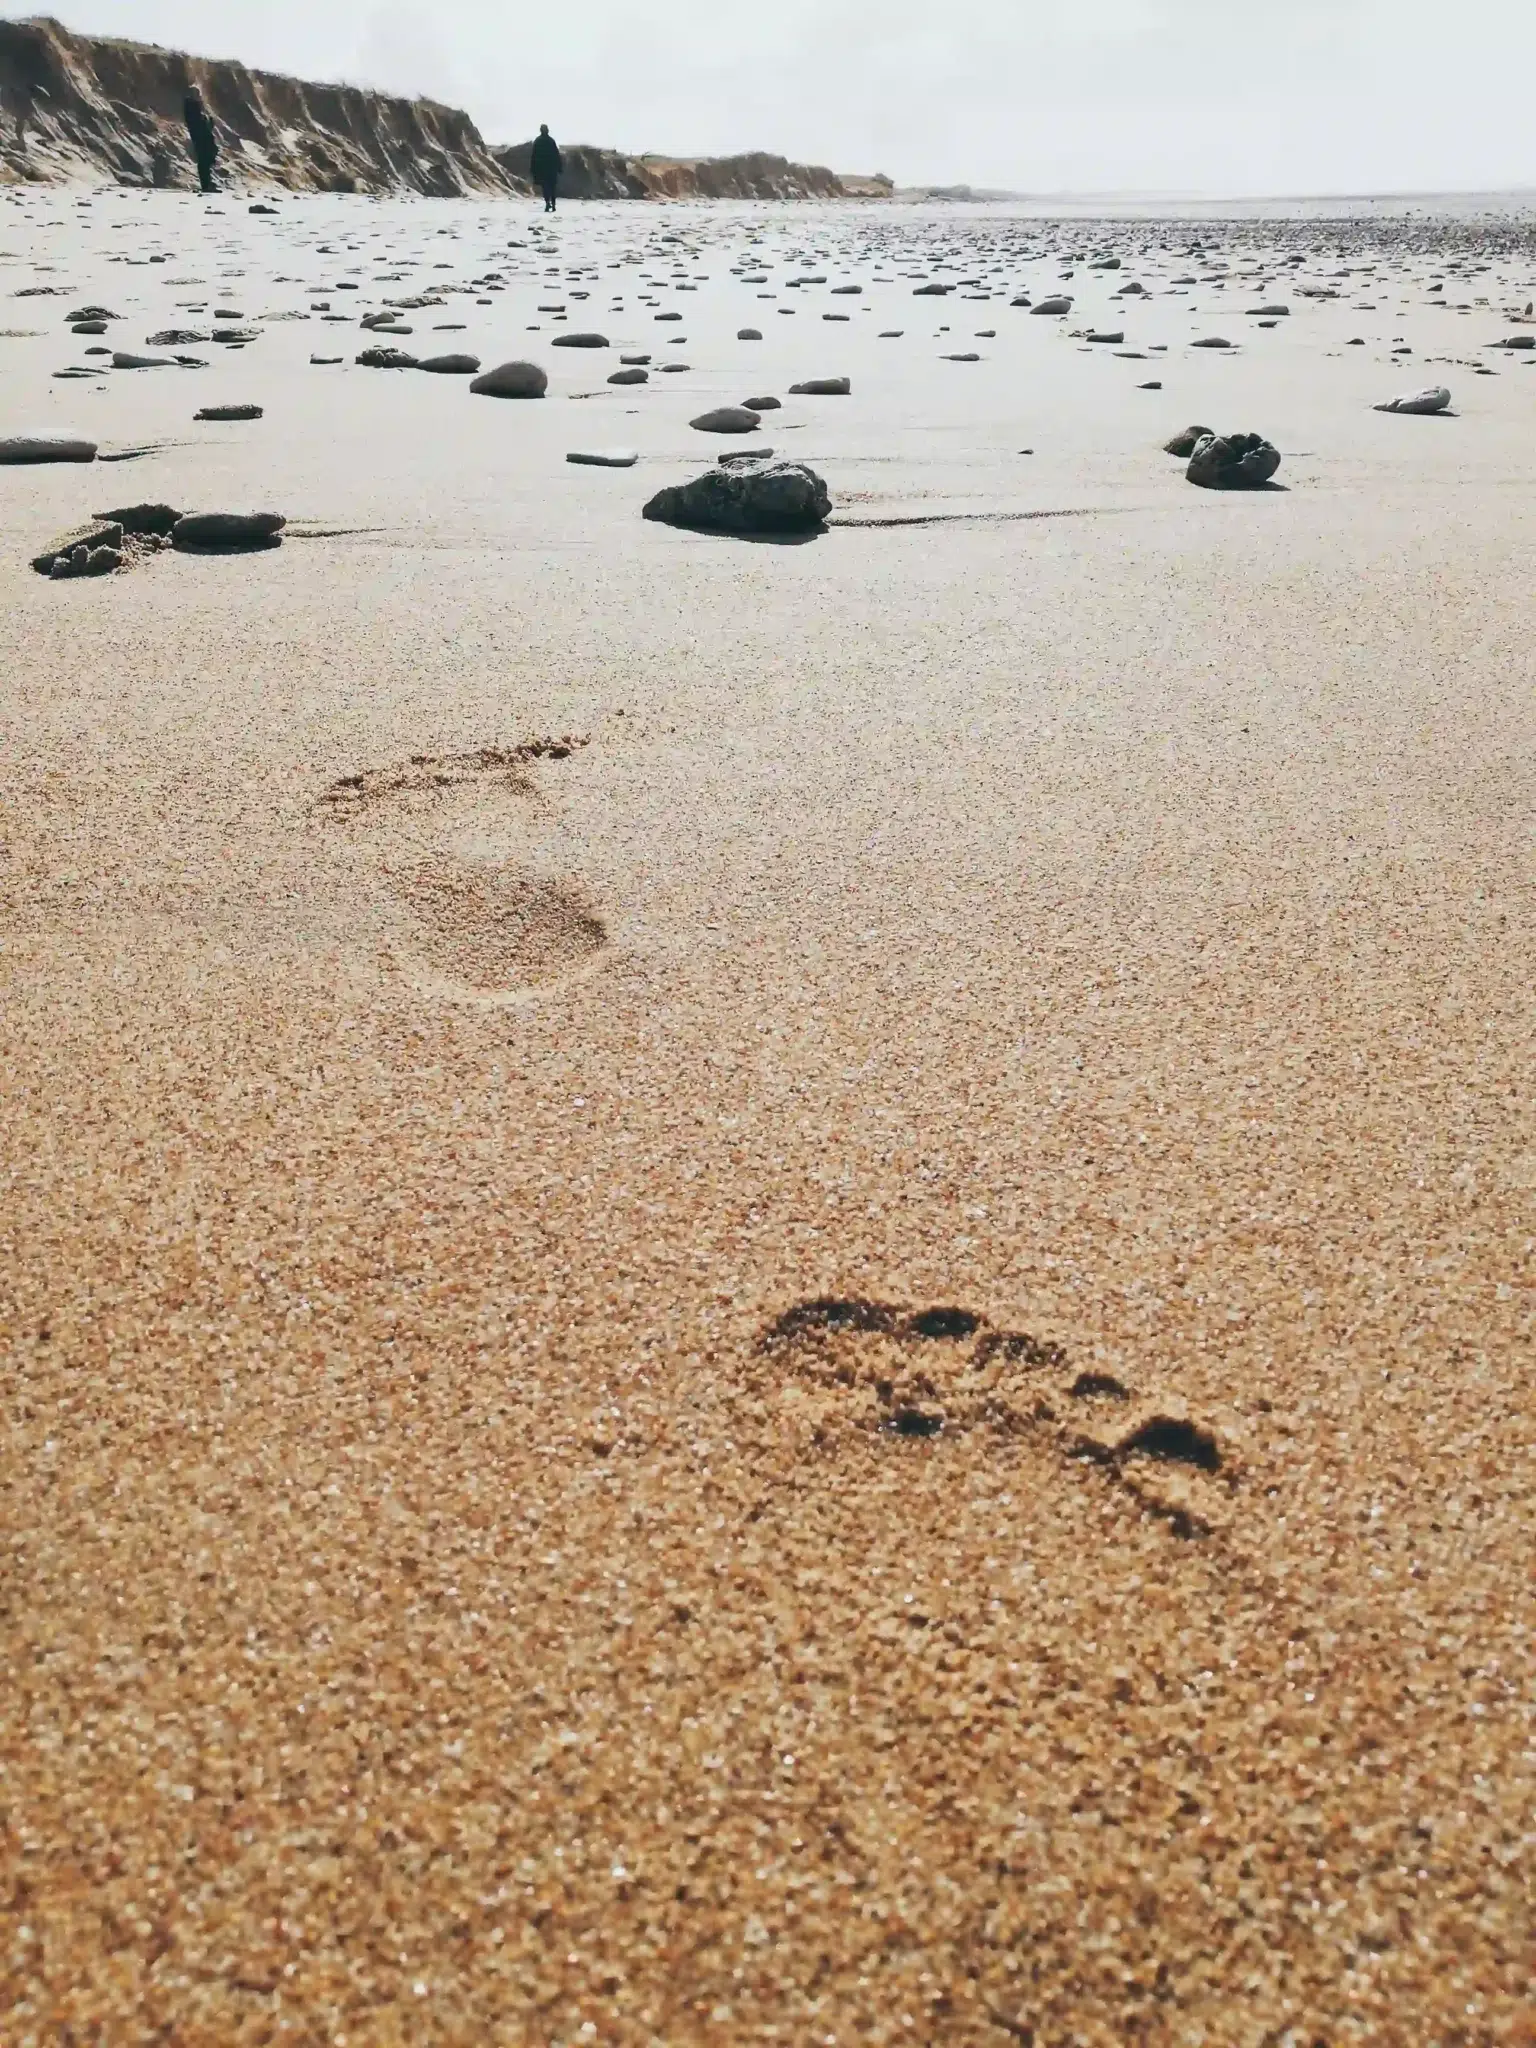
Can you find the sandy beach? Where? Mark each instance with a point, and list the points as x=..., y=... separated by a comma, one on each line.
x=764, y=1292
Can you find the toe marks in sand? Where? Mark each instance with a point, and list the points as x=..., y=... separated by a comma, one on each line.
x=945, y=1372
x=426, y=778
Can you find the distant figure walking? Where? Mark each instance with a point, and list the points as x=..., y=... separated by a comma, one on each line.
x=546, y=164
x=205, y=141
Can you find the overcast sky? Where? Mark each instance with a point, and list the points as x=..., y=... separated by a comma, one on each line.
x=1226, y=97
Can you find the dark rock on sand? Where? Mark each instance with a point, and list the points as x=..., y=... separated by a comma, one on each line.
x=512, y=380
x=580, y=341
x=727, y=419
x=27, y=448
x=633, y=376
x=766, y=496
x=227, y=533
x=1233, y=462
x=450, y=366
x=822, y=387
x=388, y=359
x=230, y=412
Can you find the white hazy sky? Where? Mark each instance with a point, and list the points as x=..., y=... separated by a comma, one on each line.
x=1226, y=97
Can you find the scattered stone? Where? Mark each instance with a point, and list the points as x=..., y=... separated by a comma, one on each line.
x=727, y=419
x=604, y=458
x=1520, y=341
x=634, y=376
x=961, y=359
x=325, y=362
x=822, y=387
x=634, y=362
x=231, y=412
x=734, y=455
x=674, y=369
x=763, y=404
x=1114, y=339
x=891, y=334
x=932, y=291
x=512, y=380
x=1233, y=462
x=749, y=334
x=1184, y=445
x=89, y=327
x=766, y=496
x=1053, y=307
x=1435, y=399
x=580, y=341
x=177, y=337
x=1211, y=341
x=1156, y=384
x=450, y=365
x=86, y=313
x=27, y=448
x=388, y=359
x=124, y=359
x=102, y=532
x=227, y=532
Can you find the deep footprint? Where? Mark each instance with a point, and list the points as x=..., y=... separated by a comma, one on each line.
x=496, y=927
x=942, y=1372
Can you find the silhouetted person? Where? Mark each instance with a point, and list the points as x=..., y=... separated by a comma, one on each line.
x=205, y=142
x=546, y=164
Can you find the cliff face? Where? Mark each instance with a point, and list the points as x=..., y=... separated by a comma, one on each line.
x=90, y=106
x=76, y=106
x=609, y=174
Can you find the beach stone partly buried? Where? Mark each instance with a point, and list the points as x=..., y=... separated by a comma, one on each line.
x=450, y=366
x=604, y=458
x=80, y=540
x=231, y=412
x=227, y=533
x=1233, y=462
x=822, y=387
x=388, y=359
x=763, y=404
x=1436, y=399
x=1212, y=341
x=749, y=334
x=1184, y=445
x=143, y=519
x=512, y=380
x=1053, y=307
x=177, y=337
x=727, y=419
x=633, y=376
x=765, y=496
x=24, y=448
x=580, y=341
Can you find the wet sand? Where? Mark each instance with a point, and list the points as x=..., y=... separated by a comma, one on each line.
x=755, y=1292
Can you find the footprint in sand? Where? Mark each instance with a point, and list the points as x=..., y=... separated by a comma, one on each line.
x=459, y=857
x=941, y=1373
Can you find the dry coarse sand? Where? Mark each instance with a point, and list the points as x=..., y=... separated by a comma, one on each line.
x=770, y=1293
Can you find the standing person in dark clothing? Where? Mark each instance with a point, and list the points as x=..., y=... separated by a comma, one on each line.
x=205, y=142
x=546, y=165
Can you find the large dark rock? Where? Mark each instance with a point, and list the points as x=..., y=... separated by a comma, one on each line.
x=227, y=533
x=765, y=496
x=141, y=519
x=727, y=419
x=24, y=448
x=450, y=366
x=1233, y=462
x=822, y=387
x=580, y=341
x=512, y=380
x=388, y=359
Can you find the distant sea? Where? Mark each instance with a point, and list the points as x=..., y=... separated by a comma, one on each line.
x=1469, y=206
